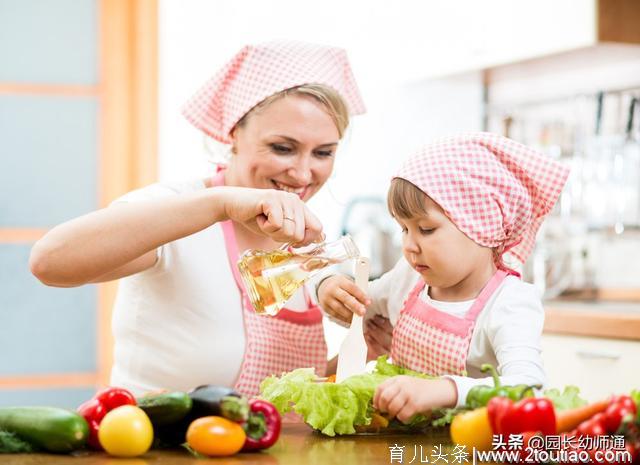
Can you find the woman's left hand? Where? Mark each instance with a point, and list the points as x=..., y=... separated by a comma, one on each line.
x=405, y=396
x=377, y=333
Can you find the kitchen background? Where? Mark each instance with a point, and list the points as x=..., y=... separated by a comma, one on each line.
x=90, y=92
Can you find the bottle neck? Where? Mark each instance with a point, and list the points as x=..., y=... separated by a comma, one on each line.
x=340, y=250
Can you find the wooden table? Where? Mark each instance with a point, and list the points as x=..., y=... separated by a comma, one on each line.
x=298, y=445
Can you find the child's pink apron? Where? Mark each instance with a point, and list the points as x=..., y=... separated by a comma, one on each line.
x=430, y=341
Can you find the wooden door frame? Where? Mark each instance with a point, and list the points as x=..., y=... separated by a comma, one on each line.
x=128, y=124
x=127, y=148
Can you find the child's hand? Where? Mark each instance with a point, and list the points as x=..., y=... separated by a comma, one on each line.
x=377, y=333
x=405, y=396
x=341, y=298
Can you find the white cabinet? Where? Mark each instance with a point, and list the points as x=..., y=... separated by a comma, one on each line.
x=598, y=366
x=497, y=32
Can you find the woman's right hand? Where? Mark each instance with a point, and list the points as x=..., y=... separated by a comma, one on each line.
x=119, y=241
x=283, y=216
x=340, y=298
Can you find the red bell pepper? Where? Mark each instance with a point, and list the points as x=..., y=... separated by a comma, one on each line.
x=530, y=414
x=96, y=408
x=263, y=425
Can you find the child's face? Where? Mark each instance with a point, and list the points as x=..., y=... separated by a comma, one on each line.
x=439, y=251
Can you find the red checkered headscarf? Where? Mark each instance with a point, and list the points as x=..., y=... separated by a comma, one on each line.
x=259, y=71
x=495, y=190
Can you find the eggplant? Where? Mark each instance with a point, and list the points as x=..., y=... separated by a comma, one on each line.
x=219, y=401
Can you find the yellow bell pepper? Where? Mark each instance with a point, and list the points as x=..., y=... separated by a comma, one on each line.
x=472, y=429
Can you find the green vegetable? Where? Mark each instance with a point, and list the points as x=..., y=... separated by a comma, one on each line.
x=49, y=428
x=332, y=408
x=384, y=367
x=165, y=408
x=444, y=416
x=635, y=395
x=480, y=396
x=12, y=444
x=568, y=399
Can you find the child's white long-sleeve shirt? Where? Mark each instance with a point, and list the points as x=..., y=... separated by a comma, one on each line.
x=507, y=333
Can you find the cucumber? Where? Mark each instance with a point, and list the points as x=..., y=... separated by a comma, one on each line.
x=50, y=428
x=165, y=408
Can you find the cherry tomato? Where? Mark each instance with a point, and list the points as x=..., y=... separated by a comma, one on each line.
x=215, y=436
x=614, y=415
x=126, y=431
x=625, y=401
x=592, y=427
x=619, y=408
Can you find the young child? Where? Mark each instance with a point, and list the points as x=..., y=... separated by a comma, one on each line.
x=454, y=304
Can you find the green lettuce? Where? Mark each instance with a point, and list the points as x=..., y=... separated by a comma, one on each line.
x=384, y=367
x=569, y=398
x=331, y=408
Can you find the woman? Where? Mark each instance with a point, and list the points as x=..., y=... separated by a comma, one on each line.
x=182, y=317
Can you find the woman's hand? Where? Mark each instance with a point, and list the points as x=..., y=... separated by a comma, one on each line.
x=405, y=396
x=340, y=298
x=377, y=333
x=277, y=214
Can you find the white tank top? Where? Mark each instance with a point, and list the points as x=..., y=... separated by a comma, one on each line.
x=179, y=324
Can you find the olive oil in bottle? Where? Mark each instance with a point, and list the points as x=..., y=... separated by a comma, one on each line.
x=272, y=277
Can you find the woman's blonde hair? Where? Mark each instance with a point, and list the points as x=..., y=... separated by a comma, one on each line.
x=333, y=102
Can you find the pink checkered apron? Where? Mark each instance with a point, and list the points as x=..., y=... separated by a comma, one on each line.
x=274, y=345
x=434, y=342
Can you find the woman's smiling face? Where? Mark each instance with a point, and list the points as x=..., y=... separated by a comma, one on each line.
x=288, y=145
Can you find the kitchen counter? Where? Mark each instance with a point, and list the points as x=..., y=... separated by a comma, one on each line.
x=297, y=445
x=596, y=319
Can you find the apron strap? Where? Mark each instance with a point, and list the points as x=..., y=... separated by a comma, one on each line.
x=413, y=295
x=230, y=238
x=311, y=316
x=485, y=294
